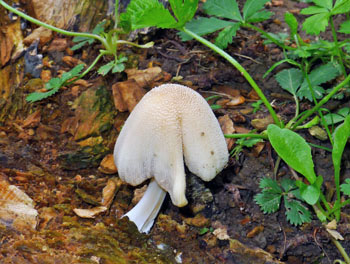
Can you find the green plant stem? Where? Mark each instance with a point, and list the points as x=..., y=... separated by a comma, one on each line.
x=347, y=202
x=320, y=147
x=144, y=46
x=248, y=25
x=241, y=69
x=339, y=52
x=341, y=250
x=246, y=136
x=58, y=30
x=321, y=102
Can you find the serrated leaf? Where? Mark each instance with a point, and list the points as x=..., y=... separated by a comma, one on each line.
x=79, y=45
x=251, y=7
x=313, y=25
x=202, y=26
x=324, y=3
x=103, y=70
x=320, y=75
x=250, y=142
x=268, y=202
x=296, y=213
x=55, y=84
x=291, y=22
x=311, y=10
x=288, y=185
x=345, y=187
x=223, y=8
x=334, y=118
x=290, y=79
x=293, y=149
x=225, y=36
x=140, y=14
x=183, y=10
x=341, y=7
x=345, y=27
x=119, y=67
x=270, y=185
x=259, y=16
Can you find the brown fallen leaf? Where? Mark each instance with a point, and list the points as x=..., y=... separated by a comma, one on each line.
x=32, y=120
x=107, y=165
x=149, y=77
x=226, y=125
x=127, y=94
x=71, y=61
x=90, y=213
x=261, y=123
x=16, y=208
x=255, y=231
x=43, y=34
x=58, y=44
x=109, y=191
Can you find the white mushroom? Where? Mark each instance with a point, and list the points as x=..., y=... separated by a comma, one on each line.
x=170, y=122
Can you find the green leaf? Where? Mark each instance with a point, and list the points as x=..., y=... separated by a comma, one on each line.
x=313, y=25
x=311, y=10
x=251, y=7
x=291, y=22
x=340, y=137
x=140, y=14
x=183, y=10
x=248, y=142
x=79, y=45
x=223, y=8
x=341, y=7
x=225, y=37
x=324, y=3
x=55, y=84
x=345, y=27
x=259, y=16
x=310, y=193
x=296, y=213
x=203, y=26
x=293, y=149
x=290, y=79
x=288, y=184
x=345, y=187
x=270, y=185
x=268, y=202
x=334, y=118
x=320, y=75
x=103, y=70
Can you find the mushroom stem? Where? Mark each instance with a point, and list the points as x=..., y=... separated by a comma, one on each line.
x=146, y=210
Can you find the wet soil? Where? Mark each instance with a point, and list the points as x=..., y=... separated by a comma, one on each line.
x=59, y=174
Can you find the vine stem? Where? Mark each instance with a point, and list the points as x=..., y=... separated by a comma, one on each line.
x=241, y=69
x=58, y=30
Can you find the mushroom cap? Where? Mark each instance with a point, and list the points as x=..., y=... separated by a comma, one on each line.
x=170, y=122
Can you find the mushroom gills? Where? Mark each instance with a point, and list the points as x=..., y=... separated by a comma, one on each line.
x=146, y=210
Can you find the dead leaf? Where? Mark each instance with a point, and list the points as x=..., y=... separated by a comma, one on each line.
x=43, y=34
x=109, y=191
x=258, y=147
x=58, y=44
x=107, y=165
x=90, y=213
x=261, y=123
x=71, y=61
x=32, y=120
x=335, y=234
x=226, y=125
x=148, y=77
x=221, y=233
x=16, y=208
x=45, y=75
x=255, y=231
x=127, y=94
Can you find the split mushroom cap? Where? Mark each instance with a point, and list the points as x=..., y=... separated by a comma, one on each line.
x=170, y=122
